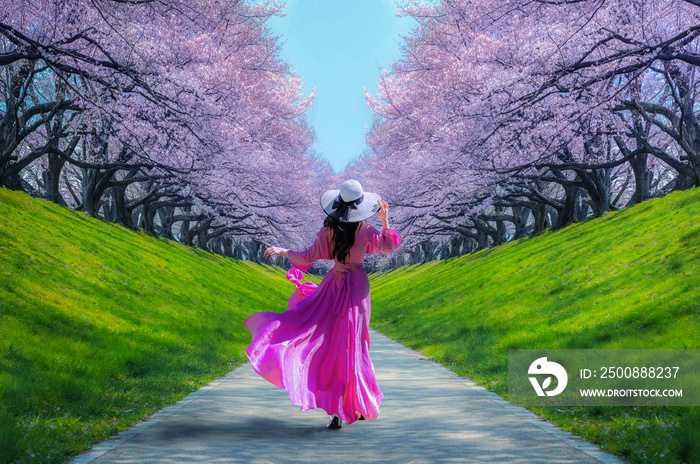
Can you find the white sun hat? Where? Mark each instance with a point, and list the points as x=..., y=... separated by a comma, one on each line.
x=350, y=203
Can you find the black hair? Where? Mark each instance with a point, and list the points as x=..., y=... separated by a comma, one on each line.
x=343, y=236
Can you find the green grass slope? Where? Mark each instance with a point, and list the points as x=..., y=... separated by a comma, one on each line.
x=630, y=279
x=100, y=325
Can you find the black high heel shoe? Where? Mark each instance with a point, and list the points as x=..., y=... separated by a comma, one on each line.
x=335, y=423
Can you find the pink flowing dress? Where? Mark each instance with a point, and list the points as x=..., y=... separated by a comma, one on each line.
x=318, y=350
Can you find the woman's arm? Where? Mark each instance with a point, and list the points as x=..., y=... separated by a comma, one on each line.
x=275, y=251
x=384, y=213
x=303, y=259
x=388, y=239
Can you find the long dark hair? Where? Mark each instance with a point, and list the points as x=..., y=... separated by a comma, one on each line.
x=343, y=237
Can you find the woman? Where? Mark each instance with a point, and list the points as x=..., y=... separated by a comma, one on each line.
x=318, y=350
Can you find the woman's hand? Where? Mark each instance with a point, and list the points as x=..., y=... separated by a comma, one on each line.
x=383, y=213
x=275, y=251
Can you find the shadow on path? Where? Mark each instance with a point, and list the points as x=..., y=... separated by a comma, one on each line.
x=429, y=415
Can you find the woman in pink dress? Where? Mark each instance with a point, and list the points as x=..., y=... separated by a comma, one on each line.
x=318, y=350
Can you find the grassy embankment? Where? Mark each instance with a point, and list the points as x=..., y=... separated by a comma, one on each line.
x=630, y=279
x=100, y=325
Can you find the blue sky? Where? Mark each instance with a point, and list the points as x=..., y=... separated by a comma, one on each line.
x=338, y=47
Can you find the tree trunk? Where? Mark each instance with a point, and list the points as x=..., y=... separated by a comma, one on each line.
x=642, y=179
x=414, y=255
x=596, y=183
x=256, y=251
x=484, y=232
x=501, y=232
x=108, y=211
x=91, y=198
x=227, y=243
x=148, y=218
x=457, y=244
x=122, y=214
x=9, y=125
x=15, y=182
x=165, y=214
x=52, y=179
x=689, y=129
x=539, y=218
x=238, y=250
x=601, y=179
x=520, y=215
x=565, y=216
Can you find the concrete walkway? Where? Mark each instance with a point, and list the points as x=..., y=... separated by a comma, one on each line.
x=429, y=415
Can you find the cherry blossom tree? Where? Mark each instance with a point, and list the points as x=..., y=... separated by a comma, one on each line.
x=174, y=116
x=504, y=118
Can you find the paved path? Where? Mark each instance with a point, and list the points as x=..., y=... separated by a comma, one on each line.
x=429, y=415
